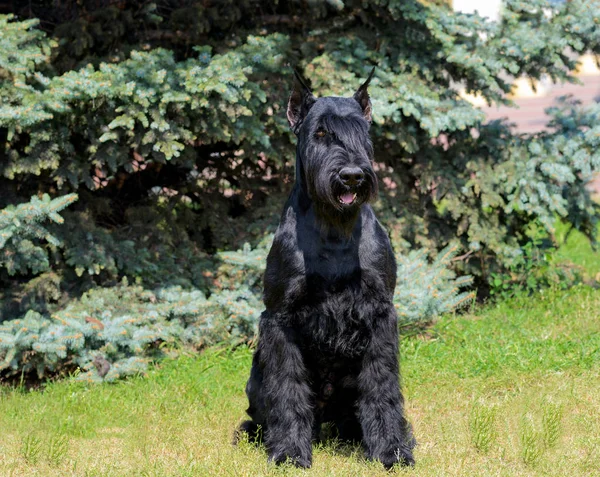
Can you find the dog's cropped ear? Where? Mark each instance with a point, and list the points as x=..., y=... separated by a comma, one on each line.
x=300, y=102
x=362, y=96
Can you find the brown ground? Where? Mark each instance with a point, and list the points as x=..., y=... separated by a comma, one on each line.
x=530, y=115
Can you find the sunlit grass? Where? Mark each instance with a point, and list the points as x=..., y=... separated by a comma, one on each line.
x=577, y=249
x=511, y=389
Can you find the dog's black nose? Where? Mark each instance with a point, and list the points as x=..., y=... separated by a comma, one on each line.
x=352, y=175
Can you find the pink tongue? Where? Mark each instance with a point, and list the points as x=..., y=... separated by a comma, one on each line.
x=347, y=198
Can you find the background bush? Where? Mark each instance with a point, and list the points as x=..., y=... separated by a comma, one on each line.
x=167, y=121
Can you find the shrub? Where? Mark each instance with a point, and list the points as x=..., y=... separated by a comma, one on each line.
x=117, y=331
x=113, y=332
x=169, y=126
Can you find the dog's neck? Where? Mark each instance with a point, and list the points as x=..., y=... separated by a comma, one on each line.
x=330, y=222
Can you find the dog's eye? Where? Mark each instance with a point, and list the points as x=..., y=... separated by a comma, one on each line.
x=321, y=133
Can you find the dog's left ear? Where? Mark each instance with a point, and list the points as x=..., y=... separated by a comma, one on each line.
x=362, y=97
x=300, y=102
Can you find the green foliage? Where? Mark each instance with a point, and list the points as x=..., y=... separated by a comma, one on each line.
x=22, y=50
x=114, y=332
x=482, y=424
x=31, y=447
x=531, y=441
x=538, y=267
x=148, y=107
x=169, y=126
x=57, y=449
x=21, y=228
x=551, y=423
x=426, y=290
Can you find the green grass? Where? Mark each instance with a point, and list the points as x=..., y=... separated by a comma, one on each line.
x=578, y=250
x=512, y=389
x=507, y=389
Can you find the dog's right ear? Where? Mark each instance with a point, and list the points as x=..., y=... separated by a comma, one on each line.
x=300, y=102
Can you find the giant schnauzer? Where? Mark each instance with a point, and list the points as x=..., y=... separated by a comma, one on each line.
x=328, y=339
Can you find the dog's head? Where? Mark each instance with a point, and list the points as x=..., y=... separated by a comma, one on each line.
x=334, y=160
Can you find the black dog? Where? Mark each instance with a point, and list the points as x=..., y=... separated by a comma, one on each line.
x=328, y=339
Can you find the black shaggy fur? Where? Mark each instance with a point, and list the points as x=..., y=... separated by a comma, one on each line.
x=328, y=339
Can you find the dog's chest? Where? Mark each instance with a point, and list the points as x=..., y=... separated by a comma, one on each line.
x=335, y=313
x=328, y=288
x=333, y=264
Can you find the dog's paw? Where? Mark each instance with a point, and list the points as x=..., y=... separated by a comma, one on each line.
x=402, y=456
x=279, y=458
x=248, y=431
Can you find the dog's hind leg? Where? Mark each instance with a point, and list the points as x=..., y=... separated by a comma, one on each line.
x=349, y=429
x=255, y=427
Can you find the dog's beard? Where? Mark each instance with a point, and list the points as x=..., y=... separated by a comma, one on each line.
x=345, y=197
x=327, y=188
x=337, y=204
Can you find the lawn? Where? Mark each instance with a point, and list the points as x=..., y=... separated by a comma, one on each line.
x=506, y=389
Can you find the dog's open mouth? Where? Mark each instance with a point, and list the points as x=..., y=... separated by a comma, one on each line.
x=348, y=198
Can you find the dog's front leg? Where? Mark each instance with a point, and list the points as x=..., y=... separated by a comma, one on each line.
x=288, y=396
x=387, y=434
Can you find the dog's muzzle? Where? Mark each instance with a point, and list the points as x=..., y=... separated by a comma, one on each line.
x=352, y=178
